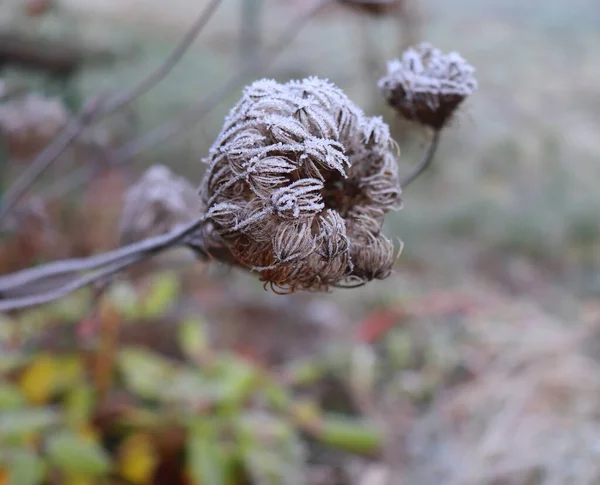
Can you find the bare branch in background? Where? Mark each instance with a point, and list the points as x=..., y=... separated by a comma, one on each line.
x=97, y=109
x=250, y=36
x=47, y=156
x=196, y=113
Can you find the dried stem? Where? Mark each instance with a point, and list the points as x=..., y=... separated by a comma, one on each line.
x=425, y=162
x=197, y=112
x=250, y=32
x=109, y=264
x=64, y=290
x=98, y=108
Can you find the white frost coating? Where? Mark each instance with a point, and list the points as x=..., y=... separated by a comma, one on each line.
x=426, y=70
x=290, y=164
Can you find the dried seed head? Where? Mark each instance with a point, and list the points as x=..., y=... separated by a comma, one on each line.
x=298, y=183
x=427, y=86
x=158, y=203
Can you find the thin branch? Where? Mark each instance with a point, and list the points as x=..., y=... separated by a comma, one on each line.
x=425, y=162
x=64, y=290
x=117, y=260
x=47, y=156
x=167, y=66
x=97, y=109
x=195, y=113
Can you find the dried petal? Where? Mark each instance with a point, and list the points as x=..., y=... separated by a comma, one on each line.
x=299, y=199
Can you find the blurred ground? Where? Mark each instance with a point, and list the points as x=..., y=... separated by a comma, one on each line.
x=495, y=295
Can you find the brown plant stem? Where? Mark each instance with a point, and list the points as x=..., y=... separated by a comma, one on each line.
x=106, y=265
x=64, y=290
x=425, y=162
x=98, y=108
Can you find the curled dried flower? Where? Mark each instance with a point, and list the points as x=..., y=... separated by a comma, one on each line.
x=297, y=186
x=373, y=256
x=158, y=203
x=427, y=86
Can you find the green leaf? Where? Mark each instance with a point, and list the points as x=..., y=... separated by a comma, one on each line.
x=78, y=404
x=348, y=434
x=10, y=397
x=123, y=296
x=304, y=373
x=26, y=468
x=145, y=373
x=18, y=424
x=193, y=338
x=207, y=464
x=77, y=456
x=162, y=293
x=271, y=449
x=400, y=347
x=237, y=382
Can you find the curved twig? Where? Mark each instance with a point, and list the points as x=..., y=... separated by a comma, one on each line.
x=425, y=162
x=198, y=111
x=64, y=290
x=117, y=259
x=98, y=108
x=192, y=115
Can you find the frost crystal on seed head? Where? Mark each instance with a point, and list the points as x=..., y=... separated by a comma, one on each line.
x=427, y=86
x=298, y=183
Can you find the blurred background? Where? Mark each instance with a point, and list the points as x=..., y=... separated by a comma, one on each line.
x=476, y=362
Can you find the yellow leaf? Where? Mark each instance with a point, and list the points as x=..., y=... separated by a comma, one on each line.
x=3, y=477
x=138, y=459
x=77, y=480
x=38, y=380
x=48, y=374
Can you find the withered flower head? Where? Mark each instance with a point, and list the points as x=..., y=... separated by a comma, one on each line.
x=158, y=202
x=298, y=183
x=427, y=86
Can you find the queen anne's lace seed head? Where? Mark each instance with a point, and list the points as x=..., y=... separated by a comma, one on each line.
x=427, y=86
x=298, y=183
x=158, y=202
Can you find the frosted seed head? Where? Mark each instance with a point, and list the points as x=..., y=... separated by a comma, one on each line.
x=427, y=86
x=297, y=181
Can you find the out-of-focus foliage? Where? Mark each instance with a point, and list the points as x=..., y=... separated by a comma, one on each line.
x=97, y=411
